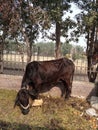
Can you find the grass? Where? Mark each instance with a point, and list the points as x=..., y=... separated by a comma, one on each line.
x=55, y=114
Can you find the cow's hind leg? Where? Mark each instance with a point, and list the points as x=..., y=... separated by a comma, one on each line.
x=67, y=88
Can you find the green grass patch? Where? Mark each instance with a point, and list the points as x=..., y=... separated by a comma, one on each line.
x=55, y=114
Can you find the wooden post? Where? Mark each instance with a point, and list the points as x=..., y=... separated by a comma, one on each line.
x=38, y=52
x=1, y=55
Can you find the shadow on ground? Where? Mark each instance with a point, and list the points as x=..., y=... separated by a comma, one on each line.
x=15, y=126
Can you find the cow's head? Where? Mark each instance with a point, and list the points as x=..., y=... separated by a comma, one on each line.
x=23, y=100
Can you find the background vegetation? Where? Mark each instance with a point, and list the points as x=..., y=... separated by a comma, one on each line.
x=46, y=49
x=24, y=20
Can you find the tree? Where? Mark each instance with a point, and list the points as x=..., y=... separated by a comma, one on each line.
x=56, y=10
x=29, y=19
x=26, y=18
x=88, y=24
x=5, y=17
x=22, y=21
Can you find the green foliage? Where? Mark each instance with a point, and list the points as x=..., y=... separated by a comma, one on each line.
x=79, y=49
x=77, y=52
x=69, y=50
x=12, y=46
x=46, y=49
x=88, y=18
x=66, y=48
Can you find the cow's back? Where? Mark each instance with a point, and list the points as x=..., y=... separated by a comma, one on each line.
x=68, y=64
x=49, y=67
x=53, y=70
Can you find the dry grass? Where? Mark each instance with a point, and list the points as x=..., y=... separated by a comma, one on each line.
x=55, y=114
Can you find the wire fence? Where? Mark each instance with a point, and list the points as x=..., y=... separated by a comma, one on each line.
x=14, y=64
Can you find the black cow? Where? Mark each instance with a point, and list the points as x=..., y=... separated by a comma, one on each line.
x=39, y=73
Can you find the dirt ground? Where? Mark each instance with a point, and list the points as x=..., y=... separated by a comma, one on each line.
x=80, y=89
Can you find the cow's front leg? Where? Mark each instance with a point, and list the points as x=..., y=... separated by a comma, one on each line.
x=25, y=82
x=68, y=90
x=33, y=91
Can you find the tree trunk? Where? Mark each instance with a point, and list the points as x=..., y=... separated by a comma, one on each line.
x=58, y=43
x=29, y=50
x=88, y=44
x=29, y=47
x=92, y=40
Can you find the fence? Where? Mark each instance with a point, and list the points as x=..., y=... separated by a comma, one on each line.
x=14, y=64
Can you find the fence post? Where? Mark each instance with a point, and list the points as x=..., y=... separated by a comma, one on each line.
x=1, y=55
x=38, y=52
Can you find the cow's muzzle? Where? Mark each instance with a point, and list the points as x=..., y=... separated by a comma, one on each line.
x=25, y=110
